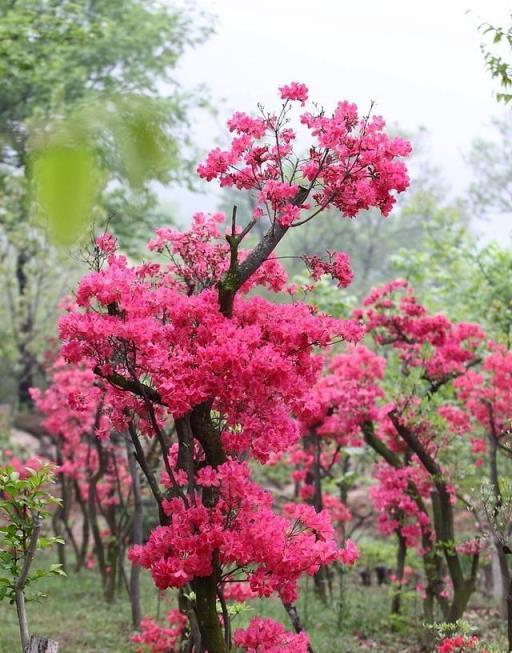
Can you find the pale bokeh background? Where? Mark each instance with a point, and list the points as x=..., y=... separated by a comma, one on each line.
x=420, y=61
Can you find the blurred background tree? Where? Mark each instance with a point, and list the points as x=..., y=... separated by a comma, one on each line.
x=491, y=163
x=92, y=111
x=497, y=49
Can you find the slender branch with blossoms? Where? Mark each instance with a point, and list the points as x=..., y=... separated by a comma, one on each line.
x=352, y=165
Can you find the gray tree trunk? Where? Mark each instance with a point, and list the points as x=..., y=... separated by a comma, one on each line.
x=40, y=644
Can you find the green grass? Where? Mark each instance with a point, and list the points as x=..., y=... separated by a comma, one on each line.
x=357, y=621
x=76, y=615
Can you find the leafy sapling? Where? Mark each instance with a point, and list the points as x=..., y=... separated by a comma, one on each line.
x=25, y=502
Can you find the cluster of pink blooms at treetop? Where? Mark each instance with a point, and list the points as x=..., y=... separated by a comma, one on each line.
x=487, y=394
x=337, y=267
x=352, y=164
x=106, y=243
x=268, y=551
x=154, y=638
x=443, y=348
x=295, y=91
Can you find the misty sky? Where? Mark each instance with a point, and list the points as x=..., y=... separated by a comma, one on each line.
x=420, y=61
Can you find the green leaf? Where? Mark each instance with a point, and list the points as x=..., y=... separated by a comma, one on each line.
x=144, y=147
x=56, y=570
x=65, y=180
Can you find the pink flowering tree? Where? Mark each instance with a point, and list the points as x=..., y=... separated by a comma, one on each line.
x=347, y=407
x=398, y=400
x=93, y=472
x=68, y=424
x=413, y=435
x=487, y=396
x=328, y=430
x=195, y=360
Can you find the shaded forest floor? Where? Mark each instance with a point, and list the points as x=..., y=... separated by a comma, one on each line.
x=358, y=620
